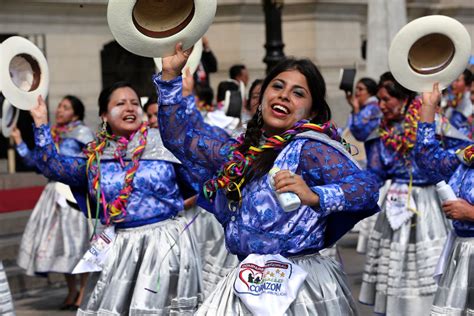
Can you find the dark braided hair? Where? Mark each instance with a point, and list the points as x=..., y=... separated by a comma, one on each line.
x=317, y=86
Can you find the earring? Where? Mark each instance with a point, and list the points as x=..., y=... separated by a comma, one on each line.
x=103, y=129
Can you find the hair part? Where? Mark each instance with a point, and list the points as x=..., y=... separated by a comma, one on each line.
x=370, y=85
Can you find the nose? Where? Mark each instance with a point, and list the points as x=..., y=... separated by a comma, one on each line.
x=284, y=94
x=130, y=106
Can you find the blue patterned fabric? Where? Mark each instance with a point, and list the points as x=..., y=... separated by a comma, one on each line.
x=155, y=197
x=366, y=121
x=25, y=154
x=385, y=163
x=461, y=122
x=260, y=225
x=435, y=160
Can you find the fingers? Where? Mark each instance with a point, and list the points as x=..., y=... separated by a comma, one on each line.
x=285, y=178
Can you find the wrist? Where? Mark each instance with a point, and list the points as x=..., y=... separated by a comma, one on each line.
x=169, y=75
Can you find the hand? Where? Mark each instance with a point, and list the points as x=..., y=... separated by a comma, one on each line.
x=16, y=135
x=430, y=102
x=286, y=181
x=353, y=102
x=188, y=83
x=40, y=112
x=459, y=209
x=173, y=65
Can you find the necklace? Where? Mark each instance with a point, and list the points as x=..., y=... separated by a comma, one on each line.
x=115, y=211
x=231, y=176
x=402, y=143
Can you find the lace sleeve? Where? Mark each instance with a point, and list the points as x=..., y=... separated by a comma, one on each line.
x=364, y=122
x=374, y=161
x=68, y=170
x=459, y=121
x=340, y=184
x=430, y=156
x=201, y=148
x=26, y=155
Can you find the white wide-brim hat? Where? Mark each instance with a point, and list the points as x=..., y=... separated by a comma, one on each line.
x=193, y=60
x=9, y=116
x=152, y=28
x=430, y=49
x=24, y=72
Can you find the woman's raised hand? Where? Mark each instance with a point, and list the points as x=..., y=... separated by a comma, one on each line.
x=40, y=112
x=430, y=102
x=173, y=65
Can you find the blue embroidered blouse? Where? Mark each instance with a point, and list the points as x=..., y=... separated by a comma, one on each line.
x=260, y=225
x=155, y=196
x=362, y=124
x=435, y=160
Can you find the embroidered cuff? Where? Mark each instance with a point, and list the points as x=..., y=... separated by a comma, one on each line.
x=43, y=135
x=426, y=133
x=169, y=92
x=22, y=150
x=331, y=197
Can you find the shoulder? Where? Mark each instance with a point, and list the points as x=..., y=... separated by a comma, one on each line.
x=82, y=134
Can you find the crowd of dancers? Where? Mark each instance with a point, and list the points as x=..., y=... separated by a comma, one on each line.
x=178, y=208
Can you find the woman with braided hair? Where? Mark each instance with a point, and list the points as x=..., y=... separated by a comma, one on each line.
x=290, y=131
x=129, y=180
x=409, y=233
x=57, y=234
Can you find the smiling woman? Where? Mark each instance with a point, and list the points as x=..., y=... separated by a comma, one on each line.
x=290, y=131
x=128, y=179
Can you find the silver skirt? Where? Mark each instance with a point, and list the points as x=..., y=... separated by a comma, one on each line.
x=6, y=302
x=216, y=260
x=367, y=224
x=150, y=270
x=55, y=237
x=399, y=268
x=324, y=292
x=455, y=294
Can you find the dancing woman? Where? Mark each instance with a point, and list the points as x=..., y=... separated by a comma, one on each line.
x=456, y=285
x=131, y=181
x=57, y=234
x=291, y=131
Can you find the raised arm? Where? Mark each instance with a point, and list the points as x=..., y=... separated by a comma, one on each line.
x=68, y=170
x=365, y=121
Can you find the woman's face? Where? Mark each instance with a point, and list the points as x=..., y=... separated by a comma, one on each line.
x=254, y=98
x=391, y=107
x=65, y=113
x=286, y=100
x=361, y=93
x=152, y=114
x=124, y=113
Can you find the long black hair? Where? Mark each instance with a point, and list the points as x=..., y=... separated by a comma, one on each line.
x=253, y=134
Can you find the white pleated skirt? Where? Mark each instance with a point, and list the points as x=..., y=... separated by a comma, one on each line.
x=399, y=268
x=324, y=292
x=55, y=237
x=150, y=270
x=6, y=302
x=455, y=294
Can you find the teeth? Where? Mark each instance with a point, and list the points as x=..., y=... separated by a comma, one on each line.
x=130, y=118
x=281, y=108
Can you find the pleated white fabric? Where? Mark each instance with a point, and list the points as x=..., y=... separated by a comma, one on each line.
x=324, y=292
x=6, y=302
x=151, y=270
x=455, y=294
x=399, y=268
x=55, y=237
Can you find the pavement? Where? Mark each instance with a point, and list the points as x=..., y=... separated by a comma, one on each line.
x=46, y=302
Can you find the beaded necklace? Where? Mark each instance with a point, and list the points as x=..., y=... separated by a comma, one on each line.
x=405, y=142
x=115, y=211
x=58, y=131
x=231, y=176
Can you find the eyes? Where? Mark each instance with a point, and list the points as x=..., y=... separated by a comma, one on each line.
x=132, y=102
x=295, y=90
